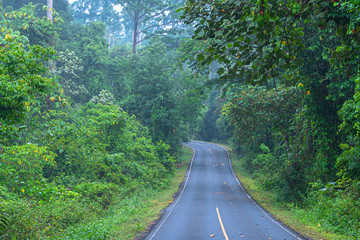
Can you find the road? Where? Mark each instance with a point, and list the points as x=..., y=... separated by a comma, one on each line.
x=213, y=205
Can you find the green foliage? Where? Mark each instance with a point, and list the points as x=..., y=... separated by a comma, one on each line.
x=97, y=150
x=4, y=222
x=71, y=163
x=254, y=39
x=104, y=97
x=259, y=115
x=102, y=193
x=39, y=31
x=35, y=220
x=89, y=45
x=348, y=161
x=161, y=95
x=64, y=166
x=313, y=45
x=99, y=141
x=96, y=229
x=21, y=170
x=332, y=209
x=21, y=77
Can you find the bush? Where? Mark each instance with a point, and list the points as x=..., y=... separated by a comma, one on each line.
x=103, y=193
x=21, y=171
x=332, y=209
x=33, y=220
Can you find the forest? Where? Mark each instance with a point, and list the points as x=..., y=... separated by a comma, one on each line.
x=97, y=97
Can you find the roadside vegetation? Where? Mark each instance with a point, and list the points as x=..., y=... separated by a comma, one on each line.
x=305, y=221
x=90, y=135
x=288, y=72
x=95, y=104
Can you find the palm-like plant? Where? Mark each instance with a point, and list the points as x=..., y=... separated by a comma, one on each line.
x=4, y=222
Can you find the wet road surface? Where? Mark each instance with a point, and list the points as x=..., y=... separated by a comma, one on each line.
x=213, y=205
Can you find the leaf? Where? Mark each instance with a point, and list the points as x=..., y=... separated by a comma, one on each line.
x=220, y=71
x=200, y=57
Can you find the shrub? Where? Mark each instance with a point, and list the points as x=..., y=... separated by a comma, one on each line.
x=34, y=220
x=102, y=193
x=332, y=209
x=21, y=170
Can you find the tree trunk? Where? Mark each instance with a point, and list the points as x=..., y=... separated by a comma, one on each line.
x=49, y=13
x=135, y=33
x=139, y=36
x=109, y=38
x=50, y=9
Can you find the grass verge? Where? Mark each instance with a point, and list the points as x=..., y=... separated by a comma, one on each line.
x=284, y=213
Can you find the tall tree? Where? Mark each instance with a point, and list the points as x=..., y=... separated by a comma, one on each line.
x=161, y=95
x=92, y=11
x=145, y=14
x=89, y=44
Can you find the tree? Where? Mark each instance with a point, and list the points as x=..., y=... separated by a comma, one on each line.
x=69, y=68
x=60, y=6
x=145, y=14
x=86, y=11
x=312, y=44
x=162, y=95
x=256, y=40
x=151, y=91
x=88, y=44
x=23, y=77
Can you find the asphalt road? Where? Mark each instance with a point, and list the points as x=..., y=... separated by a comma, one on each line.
x=213, y=205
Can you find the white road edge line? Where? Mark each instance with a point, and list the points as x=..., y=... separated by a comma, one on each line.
x=174, y=205
x=265, y=213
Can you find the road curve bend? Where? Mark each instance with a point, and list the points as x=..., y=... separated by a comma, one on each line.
x=213, y=205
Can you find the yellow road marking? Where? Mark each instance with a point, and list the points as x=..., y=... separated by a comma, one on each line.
x=221, y=224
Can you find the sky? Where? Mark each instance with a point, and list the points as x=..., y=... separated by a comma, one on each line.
x=117, y=7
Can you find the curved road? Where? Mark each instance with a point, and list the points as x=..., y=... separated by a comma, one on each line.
x=213, y=205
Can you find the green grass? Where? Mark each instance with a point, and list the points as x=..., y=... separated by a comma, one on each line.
x=295, y=219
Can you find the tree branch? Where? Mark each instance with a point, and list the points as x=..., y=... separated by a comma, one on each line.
x=155, y=25
x=152, y=16
x=147, y=10
x=126, y=7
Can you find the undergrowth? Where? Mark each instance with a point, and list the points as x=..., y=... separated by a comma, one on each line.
x=96, y=210
x=327, y=213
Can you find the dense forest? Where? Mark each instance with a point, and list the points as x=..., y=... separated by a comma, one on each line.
x=85, y=120
x=97, y=97
x=289, y=71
